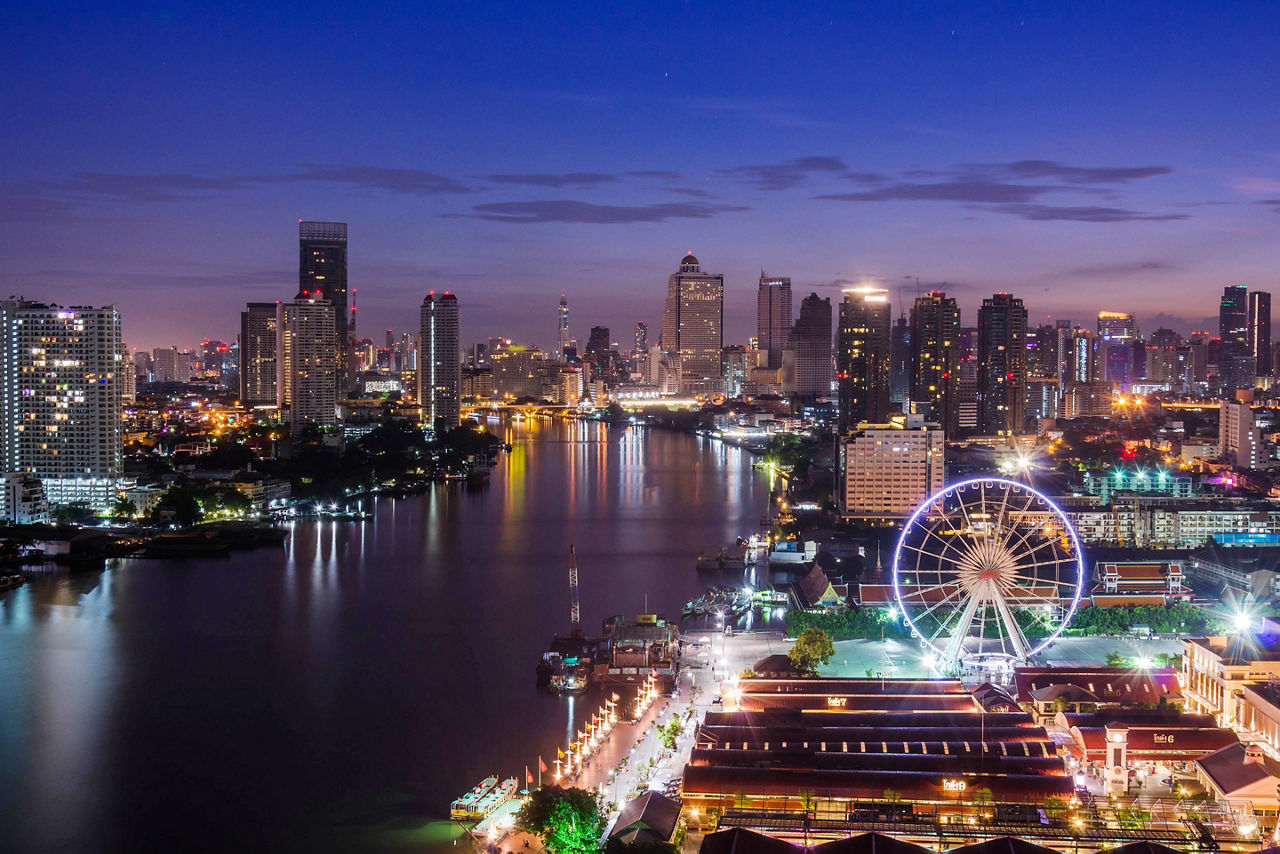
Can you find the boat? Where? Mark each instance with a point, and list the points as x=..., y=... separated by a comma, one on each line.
x=463, y=806
x=494, y=798
x=498, y=823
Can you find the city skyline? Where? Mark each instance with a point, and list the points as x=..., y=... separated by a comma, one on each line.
x=978, y=167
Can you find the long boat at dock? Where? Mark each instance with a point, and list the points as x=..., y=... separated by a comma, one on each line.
x=496, y=797
x=464, y=807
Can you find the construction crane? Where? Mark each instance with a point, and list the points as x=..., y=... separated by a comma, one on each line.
x=575, y=611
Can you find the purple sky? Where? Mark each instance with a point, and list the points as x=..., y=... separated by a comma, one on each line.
x=1082, y=157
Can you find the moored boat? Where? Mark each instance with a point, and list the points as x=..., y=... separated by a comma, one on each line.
x=464, y=807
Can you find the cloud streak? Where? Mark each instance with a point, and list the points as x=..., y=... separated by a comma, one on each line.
x=784, y=176
x=580, y=180
x=568, y=211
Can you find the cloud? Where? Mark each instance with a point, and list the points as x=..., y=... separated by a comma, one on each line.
x=581, y=180
x=1124, y=268
x=414, y=182
x=1080, y=213
x=660, y=174
x=1255, y=185
x=1274, y=204
x=784, y=176
x=946, y=191
x=1072, y=174
x=583, y=212
x=141, y=188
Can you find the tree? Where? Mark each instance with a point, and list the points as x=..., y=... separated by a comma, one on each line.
x=892, y=796
x=123, y=508
x=669, y=732
x=1054, y=806
x=568, y=821
x=1115, y=658
x=812, y=648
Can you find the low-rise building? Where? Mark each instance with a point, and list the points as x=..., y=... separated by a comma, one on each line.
x=888, y=470
x=1216, y=669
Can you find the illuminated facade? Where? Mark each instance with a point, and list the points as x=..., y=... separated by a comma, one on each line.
x=806, y=360
x=887, y=470
x=1002, y=365
x=692, y=325
x=440, y=371
x=60, y=372
x=307, y=367
x=322, y=266
x=259, y=340
x=863, y=349
x=773, y=317
x=935, y=356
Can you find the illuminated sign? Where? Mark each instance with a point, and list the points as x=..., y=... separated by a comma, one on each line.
x=1162, y=738
x=836, y=702
x=954, y=785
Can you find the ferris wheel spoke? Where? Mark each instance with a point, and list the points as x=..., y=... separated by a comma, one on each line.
x=1026, y=532
x=927, y=612
x=1013, y=631
x=956, y=644
x=923, y=590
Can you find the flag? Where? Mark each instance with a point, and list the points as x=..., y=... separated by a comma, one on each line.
x=528, y=776
x=542, y=766
x=559, y=753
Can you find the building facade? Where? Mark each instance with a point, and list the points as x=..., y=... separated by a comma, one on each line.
x=888, y=470
x=1002, y=365
x=61, y=399
x=322, y=266
x=259, y=340
x=806, y=361
x=935, y=357
x=1239, y=441
x=439, y=364
x=773, y=318
x=864, y=349
x=307, y=372
x=692, y=325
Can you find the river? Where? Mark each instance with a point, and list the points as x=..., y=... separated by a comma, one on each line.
x=337, y=693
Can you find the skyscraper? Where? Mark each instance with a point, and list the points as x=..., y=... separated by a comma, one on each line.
x=642, y=340
x=60, y=399
x=1117, y=326
x=1260, y=332
x=863, y=350
x=563, y=341
x=259, y=338
x=773, y=318
x=1002, y=365
x=439, y=368
x=307, y=364
x=806, y=361
x=692, y=323
x=899, y=363
x=1234, y=362
x=935, y=356
x=322, y=267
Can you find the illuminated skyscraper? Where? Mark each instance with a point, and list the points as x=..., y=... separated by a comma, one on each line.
x=439, y=367
x=322, y=267
x=307, y=365
x=1260, y=332
x=1235, y=365
x=773, y=318
x=259, y=338
x=806, y=361
x=935, y=357
x=863, y=349
x=692, y=323
x=1002, y=365
x=563, y=341
x=1117, y=326
x=60, y=399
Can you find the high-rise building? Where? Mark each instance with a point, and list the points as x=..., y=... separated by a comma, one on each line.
x=1117, y=326
x=966, y=375
x=773, y=317
x=935, y=356
x=642, y=339
x=1065, y=351
x=439, y=364
x=563, y=340
x=1002, y=366
x=598, y=341
x=1235, y=365
x=1239, y=440
x=1260, y=332
x=259, y=340
x=307, y=363
x=692, y=325
x=1166, y=359
x=1042, y=351
x=128, y=375
x=1198, y=351
x=171, y=365
x=60, y=399
x=900, y=363
x=806, y=360
x=323, y=267
x=864, y=349
x=888, y=470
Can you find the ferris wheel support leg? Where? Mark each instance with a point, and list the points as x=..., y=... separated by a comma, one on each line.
x=1015, y=633
x=955, y=644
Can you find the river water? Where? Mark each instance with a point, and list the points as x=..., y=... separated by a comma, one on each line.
x=337, y=693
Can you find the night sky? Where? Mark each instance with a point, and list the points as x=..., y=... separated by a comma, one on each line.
x=1082, y=156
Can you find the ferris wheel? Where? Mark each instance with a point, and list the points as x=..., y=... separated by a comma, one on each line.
x=987, y=570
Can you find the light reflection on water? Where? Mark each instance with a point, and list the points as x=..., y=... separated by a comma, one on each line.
x=350, y=684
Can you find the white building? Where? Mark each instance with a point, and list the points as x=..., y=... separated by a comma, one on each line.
x=24, y=501
x=440, y=371
x=1239, y=441
x=888, y=470
x=692, y=325
x=308, y=361
x=60, y=399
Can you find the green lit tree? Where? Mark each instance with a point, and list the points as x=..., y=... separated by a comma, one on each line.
x=568, y=821
x=812, y=648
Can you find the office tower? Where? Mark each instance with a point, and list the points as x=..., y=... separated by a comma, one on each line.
x=899, y=362
x=1042, y=351
x=935, y=356
x=323, y=267
x=1239, y=441
x=1084, y=366
x=60, y=399
x=692, y=322
x=1065, y=351
x=598, y=341
x=439, y=368
x=1198, y=351
x=773, y=318
x=806, y=360
x=1002, y=365
x=1117, y=326
x=888, y=470
x=128, y=375
x=1235, y=366
x=1260, y=332
x=736, y=364
x=967, y=382
x=1165, y=359
x=259, y=340
x=864, y=348
x=520, y=371
x=642, y=339
x=171, y=365
x=563, y=340
x=307, y=362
